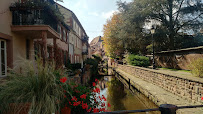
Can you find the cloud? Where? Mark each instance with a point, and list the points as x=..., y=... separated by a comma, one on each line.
x=107, y=15
x=93, y=13
x=81, y=4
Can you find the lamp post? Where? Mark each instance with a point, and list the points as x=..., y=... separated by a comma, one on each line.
x=152, y=32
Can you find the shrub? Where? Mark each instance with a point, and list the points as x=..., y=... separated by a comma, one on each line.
x=75, y=66
x=197, y=67
x=136, y=60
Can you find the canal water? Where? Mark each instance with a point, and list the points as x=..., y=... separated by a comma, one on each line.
x=121, y=98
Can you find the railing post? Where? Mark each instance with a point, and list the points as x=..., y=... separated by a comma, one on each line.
x=168, y=109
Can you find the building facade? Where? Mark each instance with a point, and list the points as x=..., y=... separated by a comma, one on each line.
x=36, y=28
x=78, y=42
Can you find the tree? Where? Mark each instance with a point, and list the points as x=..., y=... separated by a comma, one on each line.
x=174, y=17
x=112, y=44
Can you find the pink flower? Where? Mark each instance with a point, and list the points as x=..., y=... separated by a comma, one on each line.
x=63, y=80
x=202, y=98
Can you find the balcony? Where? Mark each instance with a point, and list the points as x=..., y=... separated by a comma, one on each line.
x=85, y=38
x=85, y=52
x=35, y=13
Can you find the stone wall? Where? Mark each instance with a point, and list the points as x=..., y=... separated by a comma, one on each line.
x=178, y=59
x=188, y=89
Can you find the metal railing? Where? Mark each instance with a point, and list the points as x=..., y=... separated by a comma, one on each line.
x=164, y=109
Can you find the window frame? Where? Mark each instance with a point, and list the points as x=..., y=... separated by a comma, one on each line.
x=5, y=58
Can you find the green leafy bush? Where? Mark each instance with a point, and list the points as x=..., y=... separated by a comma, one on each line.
x=197, y=67
x=75, y=66
x=137, y=60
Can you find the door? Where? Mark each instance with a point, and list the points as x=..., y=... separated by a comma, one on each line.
x=3, y=58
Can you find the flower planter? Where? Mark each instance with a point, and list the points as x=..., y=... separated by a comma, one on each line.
x=19, y=108
x=66, y=110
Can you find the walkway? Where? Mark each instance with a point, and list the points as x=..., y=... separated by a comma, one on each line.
x=160, y=96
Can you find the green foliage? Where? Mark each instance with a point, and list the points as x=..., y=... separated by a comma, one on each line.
x=36, y=85
x=93, y=64
x=75, y=66
x=136, y=60
x=197, y=67
x=97, y=57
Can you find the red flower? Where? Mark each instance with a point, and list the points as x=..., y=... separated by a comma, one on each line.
x=88, y=110
x=95, y=110
x=97, y=90
x=103, y=98
x=109, y=105
x=103, y=105
x=64, y=96
x=70, y=103
x=202, y=98
x=76, y=103
x=77, y=91
x=102, y=109
x=96, y=80
x=83, y=96
x=74, y=98
x=84, y=106
x=93, y=84
x=63, y=80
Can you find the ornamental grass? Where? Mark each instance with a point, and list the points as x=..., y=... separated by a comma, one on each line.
x=35, y=85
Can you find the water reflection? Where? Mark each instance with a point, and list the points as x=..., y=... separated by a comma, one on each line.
x=122, y=99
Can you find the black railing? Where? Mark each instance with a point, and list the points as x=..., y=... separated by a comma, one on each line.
x=164, y=109
x=33, y=17
x=35, y=13
x=85, y=38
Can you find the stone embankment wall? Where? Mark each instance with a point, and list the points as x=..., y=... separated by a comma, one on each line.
x=179, y=59
x=191, y=90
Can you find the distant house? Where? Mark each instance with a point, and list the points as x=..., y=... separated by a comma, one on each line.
x=96, y=46
x=30, y=28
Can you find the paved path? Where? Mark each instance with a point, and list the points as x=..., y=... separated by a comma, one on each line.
x=159, y=95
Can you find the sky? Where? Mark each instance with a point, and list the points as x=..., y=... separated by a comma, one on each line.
x=92, y=14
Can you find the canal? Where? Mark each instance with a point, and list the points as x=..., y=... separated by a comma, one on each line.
x=121, y=98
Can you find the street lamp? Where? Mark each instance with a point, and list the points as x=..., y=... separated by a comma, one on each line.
x=152, y=32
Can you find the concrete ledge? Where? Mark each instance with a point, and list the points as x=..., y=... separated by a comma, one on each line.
x=158, y=95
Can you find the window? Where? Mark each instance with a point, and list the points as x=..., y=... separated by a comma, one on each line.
x=64, y=35
x=27, y=49
x=3, y=61
x=59, y=30
x=67, y=36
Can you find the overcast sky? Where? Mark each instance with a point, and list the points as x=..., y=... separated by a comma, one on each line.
x=92, y=14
